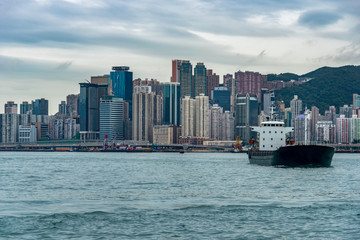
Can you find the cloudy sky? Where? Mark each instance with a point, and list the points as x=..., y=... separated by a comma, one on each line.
x=48, y=46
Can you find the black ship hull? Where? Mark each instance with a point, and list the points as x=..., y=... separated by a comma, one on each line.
x=294, y=156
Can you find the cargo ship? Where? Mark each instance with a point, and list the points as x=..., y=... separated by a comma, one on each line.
x=273, y=148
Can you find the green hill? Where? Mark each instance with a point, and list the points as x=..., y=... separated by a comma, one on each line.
x=329, y=87
x=286, y=77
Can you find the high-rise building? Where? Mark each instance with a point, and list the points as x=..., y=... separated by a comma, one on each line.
x=325, y=131
x=296, y=108
x=216, y=122
x=186, y=79
x=72, y=103
x=343, y=129
x=228, y=126
x=250, y=82
x=111, y=117
x=314, y=118
x=356, y=101
x=40, y=107
x=302, y=128
x=10, y=107
x=25, y=108
x=246, y=116
x=355, y=133
x=269, y=101
x=346, y=111
x=202, y=116
x=212, y=81
x=9, y=127
x=199, y=80
x=222, y=97
x=153, y=85
x=230, y=84
x=188, y=117
x=63, y=108
x=122, y=84
x=147, y=113
x=175, y=77
x=171, y=103
x=90, y=95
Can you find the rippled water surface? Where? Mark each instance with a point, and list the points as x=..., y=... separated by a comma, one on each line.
x=175, y=196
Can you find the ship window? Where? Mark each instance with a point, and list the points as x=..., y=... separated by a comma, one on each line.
x=281, y=139
x=275, y=131
x=269, y=131
x=271, y=145
x=263, y=131
x=264, y=139
x=271, y=139
x=281, y=131
x=263, y=146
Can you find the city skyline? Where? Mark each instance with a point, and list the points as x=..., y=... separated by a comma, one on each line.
x=48, y=47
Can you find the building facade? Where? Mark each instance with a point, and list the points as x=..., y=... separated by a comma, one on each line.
x=186, y=79
x=40, y=107
x=200, y=83
x=246, y=116
x=111, y=117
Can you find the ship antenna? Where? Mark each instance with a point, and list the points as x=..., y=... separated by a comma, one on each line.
x=272, y=112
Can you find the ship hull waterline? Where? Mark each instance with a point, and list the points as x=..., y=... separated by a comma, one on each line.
x=294, y=156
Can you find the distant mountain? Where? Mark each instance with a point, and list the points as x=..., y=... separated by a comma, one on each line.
x=328, y=86
x=286, y=77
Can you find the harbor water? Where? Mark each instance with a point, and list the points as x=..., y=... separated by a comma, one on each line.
x=65, y=195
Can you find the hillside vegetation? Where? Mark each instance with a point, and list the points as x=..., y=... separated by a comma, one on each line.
x=329, y=87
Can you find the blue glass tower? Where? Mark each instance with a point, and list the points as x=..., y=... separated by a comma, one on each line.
x=171, y=103
x=221, y=96
x=122, y=84
x=40, y=107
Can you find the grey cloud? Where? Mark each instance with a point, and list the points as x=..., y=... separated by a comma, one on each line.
x=64, y=66
x=315, y=19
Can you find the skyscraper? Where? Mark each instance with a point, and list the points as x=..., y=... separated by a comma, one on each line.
x=356, y=101
x=202, y=116
x=246, y=116
x=186, y=79
x=269, y=101
x=122, y=84
x=90, y=95
x=72, y=103
x=9, y=123
x=175, y=77
x=111, y=117
x=212, y=81
x=199, y=80
x=40, y=107
x=171, y=103
x=296, y=108
x=63, y=108
x=222, y=97
x=10, y=107
x=146, y=114
x=25, y=108
x=187, y=117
